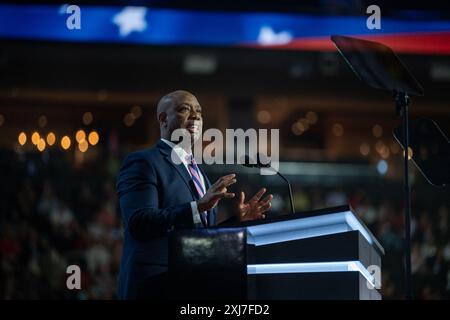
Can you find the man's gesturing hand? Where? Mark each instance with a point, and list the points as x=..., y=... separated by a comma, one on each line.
x=254, y=208
x=216, y=192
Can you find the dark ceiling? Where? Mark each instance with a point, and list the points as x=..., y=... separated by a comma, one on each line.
x=139, y=68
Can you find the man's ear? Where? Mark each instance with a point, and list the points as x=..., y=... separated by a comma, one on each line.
x=162, y=119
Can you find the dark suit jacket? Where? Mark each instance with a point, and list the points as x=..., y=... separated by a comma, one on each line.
x=155, y=196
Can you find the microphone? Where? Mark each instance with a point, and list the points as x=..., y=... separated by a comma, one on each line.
x=251, y=163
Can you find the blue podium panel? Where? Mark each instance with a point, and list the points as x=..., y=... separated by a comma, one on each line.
x=330, y=253
x=337, y=285
x=346, y=246
x=308, y=225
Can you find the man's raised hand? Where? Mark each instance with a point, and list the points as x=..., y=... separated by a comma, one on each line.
x=254, y=208
x=216, y=192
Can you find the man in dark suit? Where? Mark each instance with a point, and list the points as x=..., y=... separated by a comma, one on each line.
x=158, y=194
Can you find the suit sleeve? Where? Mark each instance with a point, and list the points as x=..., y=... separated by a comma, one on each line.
x=138, y=196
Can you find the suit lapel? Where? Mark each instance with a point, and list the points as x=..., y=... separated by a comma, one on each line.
x=181, y=169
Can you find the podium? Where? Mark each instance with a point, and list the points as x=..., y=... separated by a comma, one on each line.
x=322, y=254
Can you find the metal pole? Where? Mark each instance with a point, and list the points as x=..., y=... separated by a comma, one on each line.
x=404, y=100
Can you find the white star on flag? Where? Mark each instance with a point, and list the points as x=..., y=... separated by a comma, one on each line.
x=267, y=36
x=130, y=19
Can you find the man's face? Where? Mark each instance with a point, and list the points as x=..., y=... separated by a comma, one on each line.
x=185, y=112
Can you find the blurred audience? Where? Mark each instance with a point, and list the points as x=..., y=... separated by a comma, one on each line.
x=55, y=214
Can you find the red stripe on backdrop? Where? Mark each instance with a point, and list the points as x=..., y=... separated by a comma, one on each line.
x=414, y=43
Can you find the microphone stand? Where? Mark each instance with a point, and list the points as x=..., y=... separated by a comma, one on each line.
x=258, y=164
x=291, y=198
x=402, y=107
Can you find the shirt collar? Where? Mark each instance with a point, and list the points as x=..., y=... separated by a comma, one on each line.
x=180, y=152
